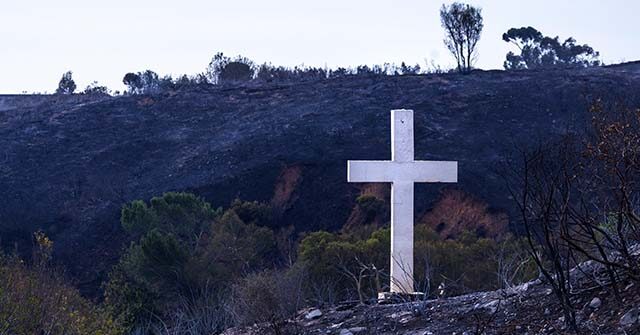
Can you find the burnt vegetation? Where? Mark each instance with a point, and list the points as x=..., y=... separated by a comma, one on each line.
x=190, y=264
x=145, y=192
x=579, y=206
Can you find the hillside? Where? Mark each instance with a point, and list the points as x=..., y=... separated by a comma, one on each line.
x=68, y=163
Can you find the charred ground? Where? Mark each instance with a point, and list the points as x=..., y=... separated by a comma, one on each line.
x=68, y=163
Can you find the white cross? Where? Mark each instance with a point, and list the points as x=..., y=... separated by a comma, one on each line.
x=402, y=171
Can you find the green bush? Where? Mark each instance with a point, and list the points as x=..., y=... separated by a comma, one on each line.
x=344, y=267
x=371, y=205
x=359, y=267
x=185, y=215
x=254, y=212
x=185, y=248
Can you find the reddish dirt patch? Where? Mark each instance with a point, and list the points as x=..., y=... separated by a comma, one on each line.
x=283, y=193
x=146, y=101
x=457, y=211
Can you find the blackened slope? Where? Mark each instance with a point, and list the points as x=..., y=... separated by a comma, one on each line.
x=67, y=166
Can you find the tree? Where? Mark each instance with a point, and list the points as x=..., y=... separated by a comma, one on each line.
x=578, y=201
x=538, y=51
x=183, y=251
x=133, y=82
x=184, y=215
x=150, y=82
x=147, y=82
x=223, y=69
x=66, y=84
x=463, y=25
x=236, y=71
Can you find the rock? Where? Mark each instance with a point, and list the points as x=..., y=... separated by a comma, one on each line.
x=630, y=317
x=313, y=314
x=537, y=281
x=491, y=306
x=405, y=319
x=345, y=332
x=595, y=303
x=547, y=311
x=356, y=330
x=399, y=314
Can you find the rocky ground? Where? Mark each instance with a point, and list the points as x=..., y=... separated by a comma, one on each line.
x=531, y=308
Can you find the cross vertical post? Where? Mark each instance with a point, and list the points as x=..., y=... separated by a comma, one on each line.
x=402, y=171
x=402, y=150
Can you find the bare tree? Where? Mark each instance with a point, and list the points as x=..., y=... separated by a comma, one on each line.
x=542, y=197
x=512, y=263
x=359, y=272
x=579, y=201
x=463, y=25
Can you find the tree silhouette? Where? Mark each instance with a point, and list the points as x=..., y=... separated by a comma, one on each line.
x=133, y=82
x=463, y=25
x=66, y=84
x=539, y=51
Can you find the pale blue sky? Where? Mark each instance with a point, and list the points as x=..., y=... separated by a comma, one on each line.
x=41, y=39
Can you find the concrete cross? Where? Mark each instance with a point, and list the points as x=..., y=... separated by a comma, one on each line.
x=402, y=171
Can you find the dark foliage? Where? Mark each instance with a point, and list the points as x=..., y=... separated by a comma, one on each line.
x=95, y=89
x=66, y=84
x=133, y=82
x=538, y=51
x=226, y=70
x=186, y=250
x=147, y=82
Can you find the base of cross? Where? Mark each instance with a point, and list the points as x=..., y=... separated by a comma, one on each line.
x=397, y=298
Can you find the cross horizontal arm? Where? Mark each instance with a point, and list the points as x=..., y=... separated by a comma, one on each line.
x=413, y=171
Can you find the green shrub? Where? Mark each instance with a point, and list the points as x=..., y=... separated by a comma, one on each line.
x=370, y=205
x=185, y=248
x=359, y=267
x=254, y=212
x=344, y=267
x=185, y=215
